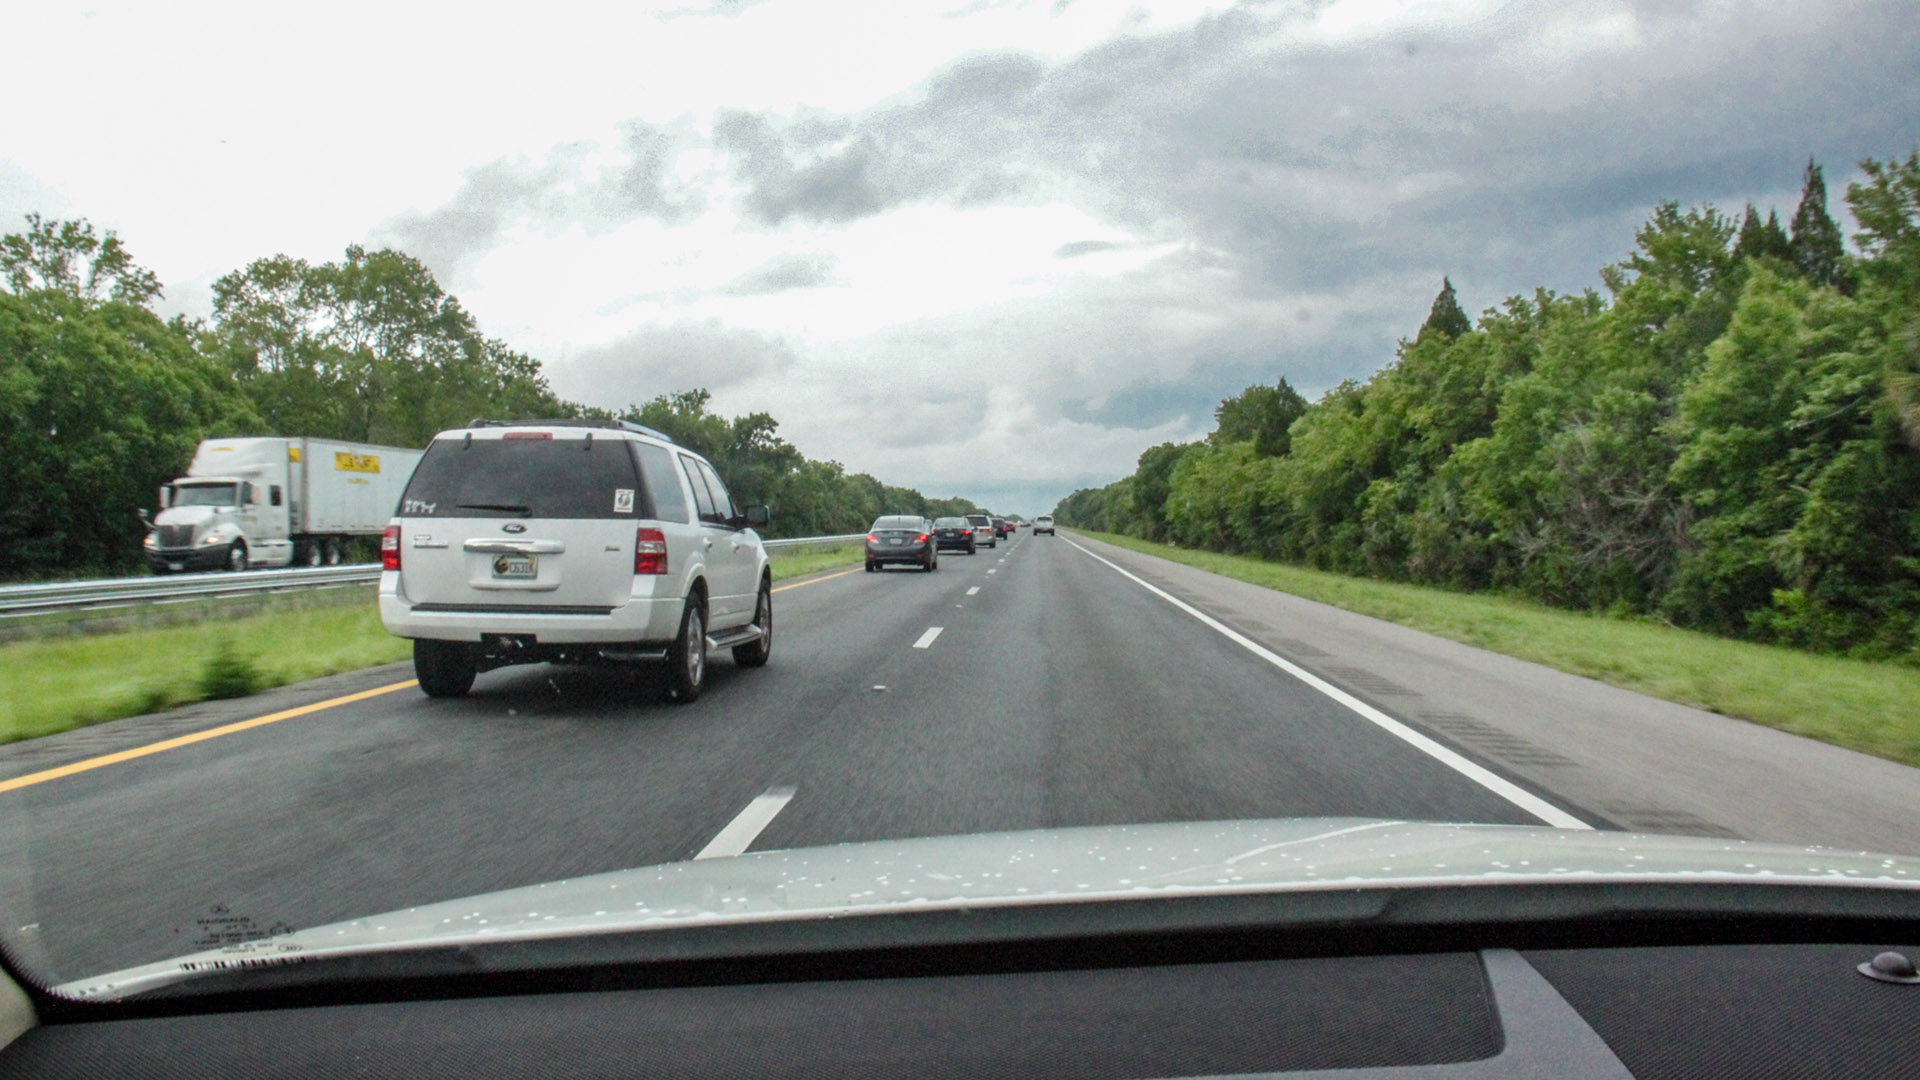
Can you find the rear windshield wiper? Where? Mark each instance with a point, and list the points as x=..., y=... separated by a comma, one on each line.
x=504, y=507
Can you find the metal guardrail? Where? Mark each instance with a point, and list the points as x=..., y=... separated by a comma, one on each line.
x=41, y=599
x=811, y=541
x=18, y=600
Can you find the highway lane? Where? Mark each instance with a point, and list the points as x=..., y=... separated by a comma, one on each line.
x=1059, y=693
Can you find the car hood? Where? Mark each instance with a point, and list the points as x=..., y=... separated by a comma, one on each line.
x=1038, y=868
x=188, y=515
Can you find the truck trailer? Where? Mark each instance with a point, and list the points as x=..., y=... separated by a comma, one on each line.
x=263, y=502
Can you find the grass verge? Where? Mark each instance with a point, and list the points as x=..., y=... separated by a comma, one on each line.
x=1861, y=705
x=57, y=683
x=789, y=563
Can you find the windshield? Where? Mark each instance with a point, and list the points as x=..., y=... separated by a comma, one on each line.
x=206, y=495
x=1467, y=415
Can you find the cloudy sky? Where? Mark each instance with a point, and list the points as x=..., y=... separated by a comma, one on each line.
x=982, y=247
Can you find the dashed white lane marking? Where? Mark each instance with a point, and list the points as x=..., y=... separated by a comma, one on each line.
x=1500, y=786
x=926, y=639
x=974, y=590
x=741, y=832
x=993, y=571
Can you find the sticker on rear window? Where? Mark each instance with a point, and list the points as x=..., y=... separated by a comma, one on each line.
x=623, y=500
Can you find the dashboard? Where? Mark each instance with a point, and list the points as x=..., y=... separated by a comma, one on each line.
x=1700, y=1011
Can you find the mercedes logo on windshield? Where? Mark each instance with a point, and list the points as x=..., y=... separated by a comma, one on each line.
x=513, y=527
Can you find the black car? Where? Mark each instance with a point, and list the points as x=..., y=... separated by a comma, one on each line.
x=902, y=538
x=955, y=534
x=1001, y=528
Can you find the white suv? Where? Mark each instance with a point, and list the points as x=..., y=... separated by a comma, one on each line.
x=571, y=541
x=1043, y=524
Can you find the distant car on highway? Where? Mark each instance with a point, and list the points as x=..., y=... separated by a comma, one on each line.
x=571, y=541
x=1001, y=528
x=955, y=534
x=902, y=538
x=1043, y=524
x=983, y=530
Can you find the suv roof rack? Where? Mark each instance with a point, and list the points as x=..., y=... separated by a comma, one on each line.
x=574, y=421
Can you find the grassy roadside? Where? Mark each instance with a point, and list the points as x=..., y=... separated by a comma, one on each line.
x=56, y=683
x=1861, y=705
x=788, y=564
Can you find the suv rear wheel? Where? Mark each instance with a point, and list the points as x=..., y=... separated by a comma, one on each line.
x=757, y=653
x=687, y=660
x=444, y=668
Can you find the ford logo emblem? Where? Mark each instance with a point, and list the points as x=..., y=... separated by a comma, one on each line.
x=513, y=527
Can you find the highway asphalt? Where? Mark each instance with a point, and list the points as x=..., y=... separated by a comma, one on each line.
x=1061, y=688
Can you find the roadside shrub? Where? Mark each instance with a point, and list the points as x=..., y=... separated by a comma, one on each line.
x=228, y=674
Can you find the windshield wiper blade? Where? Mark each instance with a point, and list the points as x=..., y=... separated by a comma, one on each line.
x=507, y=507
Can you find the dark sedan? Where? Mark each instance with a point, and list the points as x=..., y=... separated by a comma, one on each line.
x=1001, y=528
x=902, y=538
x=955, y=534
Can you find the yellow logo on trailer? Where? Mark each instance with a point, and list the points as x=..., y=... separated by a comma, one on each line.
x=293, y=453
x=347, y=462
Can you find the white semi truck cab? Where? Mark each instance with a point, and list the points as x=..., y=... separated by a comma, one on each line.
x=264, y=502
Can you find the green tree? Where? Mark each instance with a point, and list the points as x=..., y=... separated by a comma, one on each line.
x=369, y=348
x=1763, y=240
x=1815, y=241
x=1260, y=415
x=66, y=257
x=1446, y=317
x=1152, y=481
x=100, y=401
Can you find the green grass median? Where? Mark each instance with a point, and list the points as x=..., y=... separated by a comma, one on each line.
x=796, y=562
x=1861, y=705
x=56, y=683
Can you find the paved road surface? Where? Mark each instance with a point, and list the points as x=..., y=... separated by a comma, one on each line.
x=1060, y=689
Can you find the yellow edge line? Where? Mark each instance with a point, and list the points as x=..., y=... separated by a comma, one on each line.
x=815, y=581
x=199, y=736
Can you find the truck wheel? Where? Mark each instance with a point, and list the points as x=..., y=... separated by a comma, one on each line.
x=687, y=660
x=310, y=553
x=759, y=652
x=236, y=556
x=444, y=668
x=332, y=548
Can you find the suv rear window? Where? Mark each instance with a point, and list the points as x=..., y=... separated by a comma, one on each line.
x=534, y=478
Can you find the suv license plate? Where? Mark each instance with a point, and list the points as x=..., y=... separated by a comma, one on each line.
x=514, y=566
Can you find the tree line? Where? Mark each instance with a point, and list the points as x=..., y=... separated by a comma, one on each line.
x=102, y=400
x=1725, y=439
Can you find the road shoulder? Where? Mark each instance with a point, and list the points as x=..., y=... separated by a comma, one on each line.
x=1627, y=759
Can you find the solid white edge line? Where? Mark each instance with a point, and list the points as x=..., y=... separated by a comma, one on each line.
x=1499, y=785
x=741, y=832
x=926, y=639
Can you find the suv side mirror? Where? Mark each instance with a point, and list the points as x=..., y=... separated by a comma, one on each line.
x=759, y=514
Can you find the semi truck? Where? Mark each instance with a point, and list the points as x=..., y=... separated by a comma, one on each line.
x=264, y=502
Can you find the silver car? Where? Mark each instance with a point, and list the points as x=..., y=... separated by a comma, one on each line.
x=571, y=541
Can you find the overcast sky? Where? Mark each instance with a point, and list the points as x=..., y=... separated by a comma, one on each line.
x=983, y=247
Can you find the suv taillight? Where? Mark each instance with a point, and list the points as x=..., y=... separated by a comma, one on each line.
x=390, y=548
x=649, y=552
